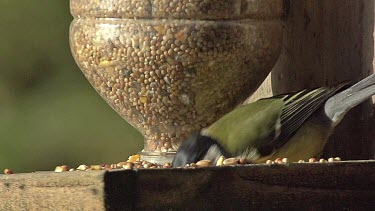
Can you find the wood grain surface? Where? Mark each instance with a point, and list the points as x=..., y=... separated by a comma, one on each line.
x=340, y=185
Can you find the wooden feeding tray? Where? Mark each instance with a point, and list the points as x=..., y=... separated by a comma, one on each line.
x=343, y=185
x=325, y=42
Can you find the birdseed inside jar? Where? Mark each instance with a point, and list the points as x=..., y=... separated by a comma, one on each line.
x=179, y=9
x=172, y=77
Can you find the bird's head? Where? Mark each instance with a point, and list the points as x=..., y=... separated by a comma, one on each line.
x=196, y=148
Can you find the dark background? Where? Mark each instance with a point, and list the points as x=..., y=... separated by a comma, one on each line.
x=49, y=113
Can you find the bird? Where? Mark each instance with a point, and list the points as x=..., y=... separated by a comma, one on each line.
x=294, y=126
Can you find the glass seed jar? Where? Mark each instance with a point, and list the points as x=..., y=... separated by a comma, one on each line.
x=173, y=67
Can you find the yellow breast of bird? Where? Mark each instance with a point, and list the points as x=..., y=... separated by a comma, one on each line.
x=307, y=142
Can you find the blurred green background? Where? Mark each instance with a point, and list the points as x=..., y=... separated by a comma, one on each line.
x=49, y=113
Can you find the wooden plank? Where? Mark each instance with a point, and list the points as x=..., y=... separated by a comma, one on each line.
x=261, y=187
x=52, y=191
x=343, y=185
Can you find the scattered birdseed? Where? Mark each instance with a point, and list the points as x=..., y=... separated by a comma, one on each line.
x=230, y=161
x=121, y=164
x=146, y=165
x=58, y=169
x=128, y=165
x=195, y=165
x=167, y=165
x=114, y=166
x=65, y=167
x=133, y=158
x=106, y=166
x=270, y=162
x=82, y=167
x=96, y=167
x=220, y=161
x=312, y=160
x=142, y=164
x=202, y=163
x=167, y=73
x=62, y=168
x=279, y=161
x=8, y=171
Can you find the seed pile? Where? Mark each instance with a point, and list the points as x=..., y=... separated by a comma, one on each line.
x=179, y=9
x=169, y=78
x=311, y=160
x=135, y=163
x=121, y=165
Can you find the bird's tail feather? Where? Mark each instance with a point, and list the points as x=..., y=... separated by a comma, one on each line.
x=339, y=104
x=368, y=81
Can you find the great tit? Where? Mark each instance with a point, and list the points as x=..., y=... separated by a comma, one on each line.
x=295, y=126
